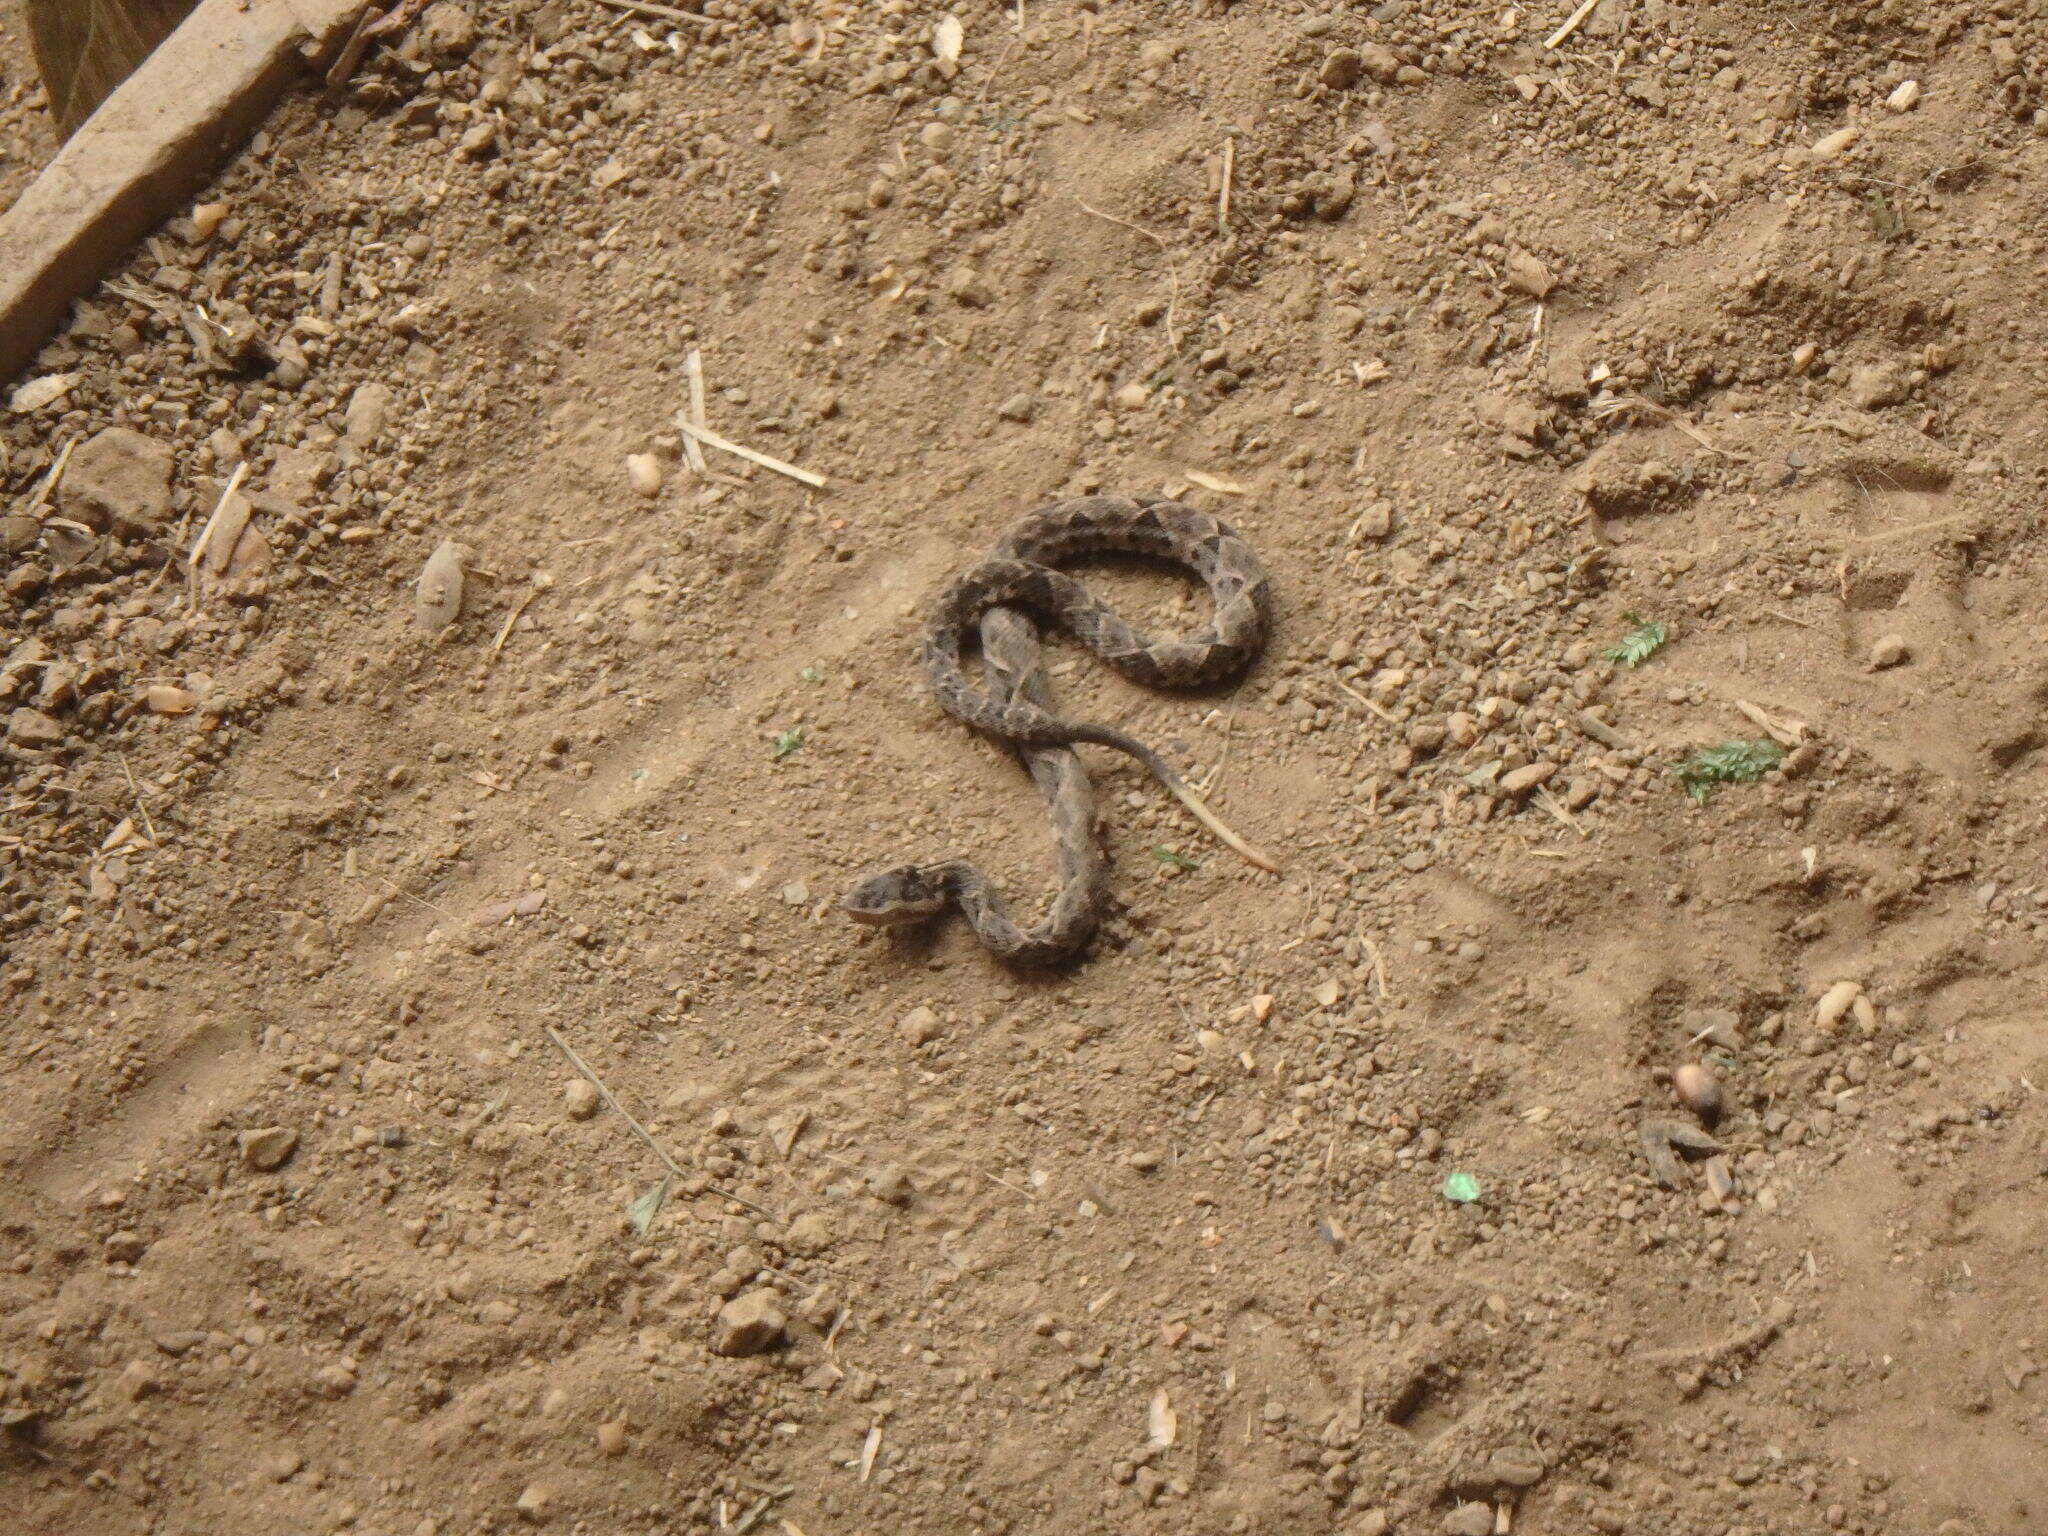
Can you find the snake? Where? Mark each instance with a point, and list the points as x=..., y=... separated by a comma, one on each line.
x=1000, y=600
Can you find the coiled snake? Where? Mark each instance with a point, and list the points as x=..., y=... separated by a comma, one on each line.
x=1001, y=595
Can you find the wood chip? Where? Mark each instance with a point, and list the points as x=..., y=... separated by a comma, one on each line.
x=1163, y=1424
x=1782, y=729
x=869, y=1452
x=37, y=393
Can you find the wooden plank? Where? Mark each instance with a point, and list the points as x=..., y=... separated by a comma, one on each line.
x=149, y=147
x=86, y=48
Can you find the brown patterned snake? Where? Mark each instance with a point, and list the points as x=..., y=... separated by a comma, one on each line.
x=1000, y=595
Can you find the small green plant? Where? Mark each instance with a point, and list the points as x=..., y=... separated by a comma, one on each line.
x=1176, y=860
x=1732, y=762
x=1645, y=638
x=788, y=741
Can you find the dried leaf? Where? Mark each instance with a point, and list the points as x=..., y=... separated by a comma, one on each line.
x=1164, y=1423
x=37, y=393
x=1528, y=275
x=646, y=1210
x=947, y=38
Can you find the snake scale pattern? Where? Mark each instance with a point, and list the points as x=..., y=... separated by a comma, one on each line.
x=1000, y=599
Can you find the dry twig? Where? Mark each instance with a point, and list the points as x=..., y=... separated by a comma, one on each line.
x=1571, y=23
x=711, y=439
x=640, y=1130
x=663, y=12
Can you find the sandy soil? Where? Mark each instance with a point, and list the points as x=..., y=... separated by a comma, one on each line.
x=1315, y=1203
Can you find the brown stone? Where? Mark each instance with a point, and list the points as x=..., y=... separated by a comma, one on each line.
x=751, y=1324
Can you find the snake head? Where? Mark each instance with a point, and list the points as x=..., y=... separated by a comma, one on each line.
x=905, y=893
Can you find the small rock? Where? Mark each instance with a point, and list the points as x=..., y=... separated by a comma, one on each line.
x=118, y=481
x=369, y=408
x=919, y=1025
x=1132, y=397
x=1381, y=62
x=892, y=1184
x=1515, y=1469
x=809, y=1233
x=447, y=30
x=968, y=287
x=643, y=472
x=1831, y=146
x=282, y=1466
x=1342, y=69
x=1876, y=385
x=34, y=729
x=126, y=1247
x=1889, y=651
x=748, y=1325
x=1017, y=408
x=437, y=601
x=1469, y=1520
x=180, y=1341
x=580, y=1099
x=611, y=1437
x=533, y=1502
x=1698, y=1090
x=267, y=1149
x=169, y=699
x=206, y=221
x=1520, y=781
x=1905, y=96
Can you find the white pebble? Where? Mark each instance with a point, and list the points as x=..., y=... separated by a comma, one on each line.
x=644, y=470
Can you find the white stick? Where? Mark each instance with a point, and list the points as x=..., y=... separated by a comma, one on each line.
x=711, y=439
x=1571, y=23
x=694, y=366
x=665, y=12
x=199, y=544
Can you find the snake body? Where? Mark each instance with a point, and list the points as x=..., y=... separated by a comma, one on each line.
x=999, y=598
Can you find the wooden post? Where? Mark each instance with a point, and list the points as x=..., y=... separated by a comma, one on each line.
x=151, y=143
x=85, y=48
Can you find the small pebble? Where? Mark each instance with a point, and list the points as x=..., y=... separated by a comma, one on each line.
x=1905, y=96
x=750, y=1324
x=1889, y=651
x=611, y=1437
x=580, y=1098
x=267, y=1149
x=643, y=470
x=1698, y=1090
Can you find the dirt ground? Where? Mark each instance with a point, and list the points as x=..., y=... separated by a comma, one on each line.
x=1676, y=389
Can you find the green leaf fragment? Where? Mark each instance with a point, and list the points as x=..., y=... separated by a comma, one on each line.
x=1644, y=639
x=788, y=741
x=1176, y=860
x=1732, y=762
x=1461, y=1188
